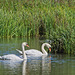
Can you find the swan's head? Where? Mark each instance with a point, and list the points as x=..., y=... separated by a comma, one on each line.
x=49, y=46
x=25, y=44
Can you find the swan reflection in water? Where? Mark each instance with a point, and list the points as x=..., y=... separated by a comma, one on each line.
x=29, y=67
x=24, y=68
x=14, y=68
x=46, y=65
x=41, y=66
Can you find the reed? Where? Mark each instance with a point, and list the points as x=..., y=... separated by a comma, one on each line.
x=23, y=18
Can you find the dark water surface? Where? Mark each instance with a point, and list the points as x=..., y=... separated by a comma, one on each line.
x=53, y=64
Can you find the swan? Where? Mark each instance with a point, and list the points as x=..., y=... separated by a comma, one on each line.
x=13, y=56
x=36, y=52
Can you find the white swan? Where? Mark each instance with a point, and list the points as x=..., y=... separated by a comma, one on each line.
x=36, y=52
x=13, y=56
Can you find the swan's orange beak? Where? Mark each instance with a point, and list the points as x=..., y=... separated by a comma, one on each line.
x=50, y=49
x=27, y=45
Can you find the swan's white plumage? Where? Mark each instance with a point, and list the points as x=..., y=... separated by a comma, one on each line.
x=33, y=52
x=19, y=51
x=10, y=57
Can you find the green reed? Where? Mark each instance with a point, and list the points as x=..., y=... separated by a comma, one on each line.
x=23, y=18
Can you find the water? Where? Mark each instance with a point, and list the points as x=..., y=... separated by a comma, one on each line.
x=53, y=64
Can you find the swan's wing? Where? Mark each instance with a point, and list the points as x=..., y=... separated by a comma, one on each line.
x=19, y=51
x=33, y=52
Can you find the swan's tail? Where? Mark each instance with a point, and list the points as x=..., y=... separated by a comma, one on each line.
x=19, y=51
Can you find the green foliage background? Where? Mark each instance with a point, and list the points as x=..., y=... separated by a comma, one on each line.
x=23, y=18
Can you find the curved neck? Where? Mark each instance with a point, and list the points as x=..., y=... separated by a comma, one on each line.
x=24, y=55
x=43, y=50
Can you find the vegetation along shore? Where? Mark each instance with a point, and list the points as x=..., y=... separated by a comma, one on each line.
x=51, y=18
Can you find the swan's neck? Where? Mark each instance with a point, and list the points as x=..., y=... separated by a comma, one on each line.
x=24, y=55
x=43, y=50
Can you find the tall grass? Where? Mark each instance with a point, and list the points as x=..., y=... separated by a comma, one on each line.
x=20, y=18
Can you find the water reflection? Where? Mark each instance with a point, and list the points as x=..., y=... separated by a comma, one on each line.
x=41, y=66
x=46, y=65
x=52, y=64
x=13, y=68
x=24, y=68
